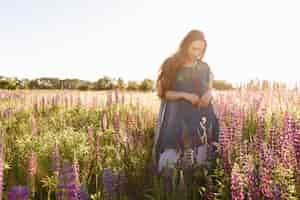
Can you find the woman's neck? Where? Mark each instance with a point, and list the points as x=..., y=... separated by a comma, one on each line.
x=189, y=63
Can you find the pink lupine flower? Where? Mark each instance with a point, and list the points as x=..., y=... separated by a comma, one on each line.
x=266, y=166
x=98, y=147
x=109, y=99
x=225, y=143
x=1, y=166
x=34, y=129
x=251, y=179
x=116, y=96
x=237, y=185
x=32, y=164
x=104, y=121
x=116, y=122
x=90, y=133
x=43, y=103
x=76, y=169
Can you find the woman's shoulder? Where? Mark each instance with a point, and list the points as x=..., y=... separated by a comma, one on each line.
x=205, y=65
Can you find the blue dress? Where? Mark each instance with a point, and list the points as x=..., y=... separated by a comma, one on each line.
x=174, y=116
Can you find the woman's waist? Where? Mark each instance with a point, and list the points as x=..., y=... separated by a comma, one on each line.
x=191, y=88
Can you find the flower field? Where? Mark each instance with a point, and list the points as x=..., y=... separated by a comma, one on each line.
x=65, y=144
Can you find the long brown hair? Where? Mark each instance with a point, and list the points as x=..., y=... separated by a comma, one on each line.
x=168, y=69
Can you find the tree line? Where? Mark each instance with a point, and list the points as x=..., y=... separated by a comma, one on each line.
x=104, y=83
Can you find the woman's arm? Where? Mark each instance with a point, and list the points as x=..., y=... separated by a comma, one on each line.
x=176, y=95
x=172, y=95
x=207, y=96
x=205, y=99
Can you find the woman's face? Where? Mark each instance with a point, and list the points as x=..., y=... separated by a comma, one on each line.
x=196, y=49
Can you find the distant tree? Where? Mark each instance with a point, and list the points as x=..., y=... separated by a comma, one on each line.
x=146, y=85
x=104, y=83
x=132, y=85
x=70, y=83
x=8, y=84
x=222, y=85
x=83, y=87
x=120, y=83
x=33, y=84
x=23, y=83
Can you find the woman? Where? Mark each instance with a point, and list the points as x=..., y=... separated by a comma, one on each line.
x=184, y=86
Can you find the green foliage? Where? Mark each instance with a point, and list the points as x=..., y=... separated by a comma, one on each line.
x=146, y=85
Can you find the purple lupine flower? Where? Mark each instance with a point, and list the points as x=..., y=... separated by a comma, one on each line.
x=237, y=187
x=108, y=184
x=76, y=169
x=249, y=170
x=167, y=179
x=32, y=164
x=116, y=122
x=67, y=182
x=256, y=192
x=71, y=101
x=122, y=182
x=1, y=166
x=55, y=159
x=237, y=125
x=109, y=99
x=288, y=150
x=90, y=133
x=104, y=121
x=288, y=153
x=225, y=144
x=277, y=193
x=266, y=167
x=273, y=141
x=84, y=195
x=260, y=133
x=296, y=143
x=43, y=102
x=98, y=147
x=131, y=121
x=117, y=96
x=18, y=193
x=278, y=144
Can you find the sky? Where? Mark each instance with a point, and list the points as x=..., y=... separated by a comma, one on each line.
x=87, y=39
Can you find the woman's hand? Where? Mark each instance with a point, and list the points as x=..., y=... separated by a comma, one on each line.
x=201, y=104
x=192, y=98
x=205, y=99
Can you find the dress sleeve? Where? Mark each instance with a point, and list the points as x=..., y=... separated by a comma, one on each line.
x=210, y=78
